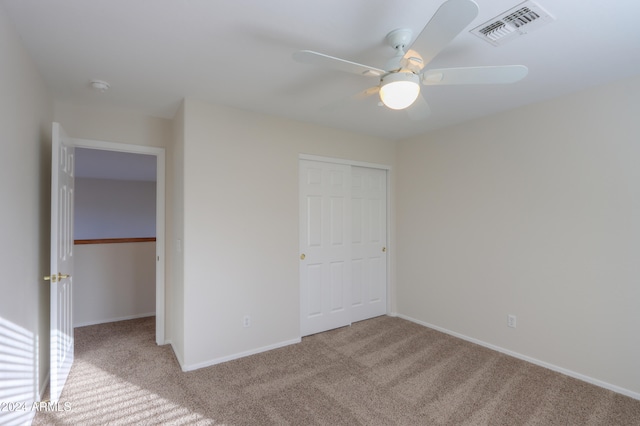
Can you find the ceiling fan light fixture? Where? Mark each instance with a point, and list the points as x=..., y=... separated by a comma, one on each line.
x=399, y=90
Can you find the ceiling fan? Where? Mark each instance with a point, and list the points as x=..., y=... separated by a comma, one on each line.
x=399, y=81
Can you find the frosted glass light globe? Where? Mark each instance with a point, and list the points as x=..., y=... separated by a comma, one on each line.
x=399, y=90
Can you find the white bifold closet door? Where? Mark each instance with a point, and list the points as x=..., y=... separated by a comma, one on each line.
x=343, y=276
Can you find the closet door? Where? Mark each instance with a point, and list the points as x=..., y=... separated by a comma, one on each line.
x=369, y=243
x=325, y=246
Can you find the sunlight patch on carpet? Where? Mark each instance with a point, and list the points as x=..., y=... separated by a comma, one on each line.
x=95, y=394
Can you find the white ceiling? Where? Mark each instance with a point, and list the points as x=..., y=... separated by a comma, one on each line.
x=238, y=53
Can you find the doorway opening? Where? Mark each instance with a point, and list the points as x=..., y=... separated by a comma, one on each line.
x=126, y=167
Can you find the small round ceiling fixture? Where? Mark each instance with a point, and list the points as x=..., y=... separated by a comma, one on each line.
x=99, y=85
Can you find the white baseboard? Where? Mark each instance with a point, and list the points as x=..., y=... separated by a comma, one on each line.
x=43, y=386
x=108, y=320
x=544, y=364
x=220, y=360
x=175, y=353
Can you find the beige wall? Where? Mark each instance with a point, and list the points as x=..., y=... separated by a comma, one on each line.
x=113, y=125
x=25, y=120
x=241, y=225
x=536, y=213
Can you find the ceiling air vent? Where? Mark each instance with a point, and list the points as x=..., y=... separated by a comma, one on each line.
x=515, y=22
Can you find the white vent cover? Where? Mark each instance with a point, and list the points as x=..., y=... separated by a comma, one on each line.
x=517, y=21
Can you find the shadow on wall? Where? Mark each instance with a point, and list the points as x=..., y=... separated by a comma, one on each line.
x=19, y=374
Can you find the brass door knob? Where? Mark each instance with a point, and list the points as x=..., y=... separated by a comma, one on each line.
x=384, y=249
x=56, y=278
x=302, y=256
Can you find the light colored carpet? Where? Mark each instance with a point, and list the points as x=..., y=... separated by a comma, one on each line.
x=383, y=371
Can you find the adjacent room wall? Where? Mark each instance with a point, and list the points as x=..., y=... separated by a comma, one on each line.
x=106, y=208
x=114, y=281
x=534, y=212
x=241, y=225
x=25, y=120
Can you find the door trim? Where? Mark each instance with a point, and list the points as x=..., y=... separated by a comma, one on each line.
x=343, y=161
x=390, y=249
x=159, y=153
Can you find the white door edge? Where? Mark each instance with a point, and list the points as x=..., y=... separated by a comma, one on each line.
x=390, y=251
x=160, y=216
x=61, y=273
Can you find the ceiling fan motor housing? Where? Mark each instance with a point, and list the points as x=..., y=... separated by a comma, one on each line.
x=400, y=38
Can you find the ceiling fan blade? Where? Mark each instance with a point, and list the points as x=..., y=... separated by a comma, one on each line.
x=475, y=75
x=366, y=93
x=419, y=110
x=450, y=19
x=340, y=103
x=315, y=58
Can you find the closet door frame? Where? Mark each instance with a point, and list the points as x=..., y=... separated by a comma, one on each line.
x=389, y=244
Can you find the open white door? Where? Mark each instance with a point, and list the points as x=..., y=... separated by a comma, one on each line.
x=62, y=193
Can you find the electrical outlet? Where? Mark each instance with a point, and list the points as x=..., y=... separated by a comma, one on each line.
x=246, y=321
x=511, y=321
